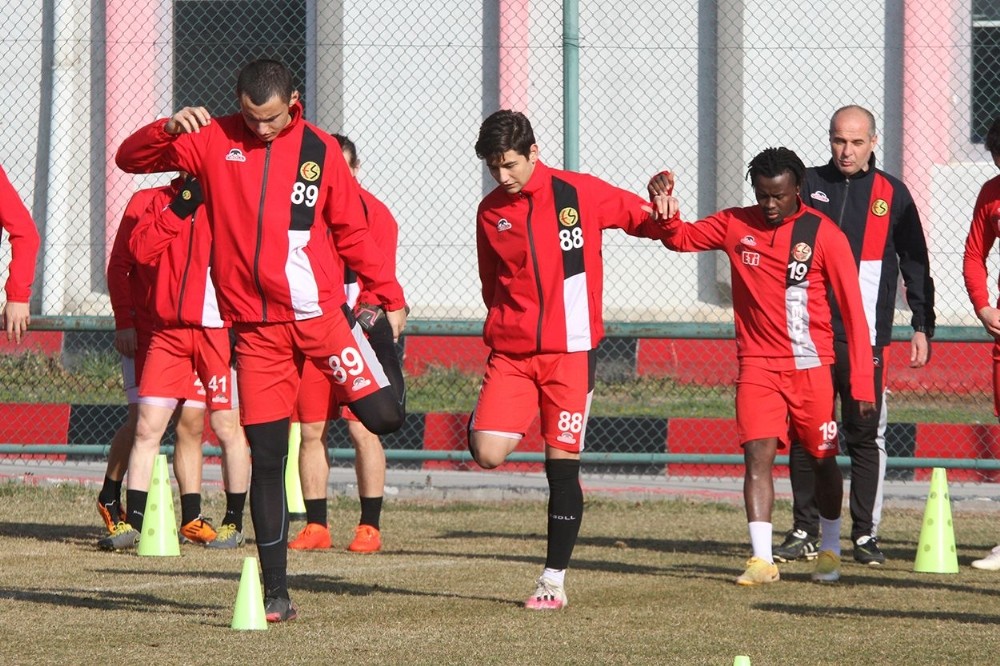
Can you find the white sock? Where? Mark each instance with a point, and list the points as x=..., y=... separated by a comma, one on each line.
x=557, y=576
x=761, y=535
x=829, y=531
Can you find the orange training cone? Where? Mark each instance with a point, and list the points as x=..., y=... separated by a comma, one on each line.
x=936, y=550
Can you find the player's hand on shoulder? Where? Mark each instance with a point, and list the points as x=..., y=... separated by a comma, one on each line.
x=188, y=120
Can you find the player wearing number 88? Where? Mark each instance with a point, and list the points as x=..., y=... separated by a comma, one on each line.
x=538, y=236
x=784, y=257
x=280, y=198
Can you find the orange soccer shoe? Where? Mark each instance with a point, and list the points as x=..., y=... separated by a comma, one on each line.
x=367, y=539
x=312, y=537
x=198, y=531
x=110, y=521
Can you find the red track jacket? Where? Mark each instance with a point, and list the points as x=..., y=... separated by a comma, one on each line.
x=181, y=250
x=24, y=242
x=540, y=259
x=271, y=252
x=385, y=231
x=130, y=284
x=780, y=280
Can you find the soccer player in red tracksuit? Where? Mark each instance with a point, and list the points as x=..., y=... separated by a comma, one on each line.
x=130, y=286
x=982, y=236
x=784, y=257
x=275, y=187
x=188, y=351
x=539, y=237
x=315, y=405
x=16, y=221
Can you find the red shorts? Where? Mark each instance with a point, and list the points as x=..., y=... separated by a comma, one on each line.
x=315, y=401
x=272, y=357
x=770, y=403
x=516, y=389
x=189, y=363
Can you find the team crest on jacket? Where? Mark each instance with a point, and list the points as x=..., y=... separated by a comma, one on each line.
x=880, y=207
x=235, y=155
x=801, y=252
x=568, y=216
x=749, y=240
x=309, y=171
x=503, y=224
x=820, y=195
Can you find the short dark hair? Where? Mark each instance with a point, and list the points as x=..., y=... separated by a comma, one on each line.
x=772, y=162
x=502, y=131
x=347, y=146
x=992, y=142
x=262, y=79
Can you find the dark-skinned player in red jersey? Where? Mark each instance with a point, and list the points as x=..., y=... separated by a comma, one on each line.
x=784, y=257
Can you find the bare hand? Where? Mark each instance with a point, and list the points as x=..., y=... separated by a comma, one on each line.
x=187, y=120
x=16, y=319
x=665, y=207
x=920, y=350
x=991, y=320
x=125, y=342
x=397, y=320
x=661, y=183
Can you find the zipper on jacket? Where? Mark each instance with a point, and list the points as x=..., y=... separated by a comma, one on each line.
x=260, y=235
x=184, y=273
x=538, y=278
x=843, y=203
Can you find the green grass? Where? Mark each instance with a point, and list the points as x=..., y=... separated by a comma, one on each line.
x=651, y=582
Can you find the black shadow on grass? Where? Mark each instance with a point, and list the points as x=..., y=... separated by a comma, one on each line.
x=117, y=600
x=333, y=585
x=834, y=612
x=46, y=532
x=692, y=546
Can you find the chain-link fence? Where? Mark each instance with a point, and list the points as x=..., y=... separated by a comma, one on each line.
x=695, y=86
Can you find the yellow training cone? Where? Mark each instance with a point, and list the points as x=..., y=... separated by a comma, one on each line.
x=293, y=484
x=159, y=527
x=741, y=660
x=936, y=550
x=248, y=612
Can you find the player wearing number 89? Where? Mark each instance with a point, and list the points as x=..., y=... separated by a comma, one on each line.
x=785, y=256
x=539, y=242
x=277, y=192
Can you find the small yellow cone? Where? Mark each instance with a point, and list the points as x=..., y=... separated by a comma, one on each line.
x=936, y=549
x=293, y=483
x=248, y=612
x=741, y=660
x=159, y=526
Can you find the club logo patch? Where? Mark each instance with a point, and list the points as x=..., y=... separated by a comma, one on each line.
x=309, y=171
x=820, y=195
x=801, y=252
x=504, y=225
x=569, y=217
x=360, y=383
x=749, y=240
x=235, y=155
x=880, y=207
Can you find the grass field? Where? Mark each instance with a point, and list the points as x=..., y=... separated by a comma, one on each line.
x=651, y=583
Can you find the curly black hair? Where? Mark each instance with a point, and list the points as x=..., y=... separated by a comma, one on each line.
x=772, y=162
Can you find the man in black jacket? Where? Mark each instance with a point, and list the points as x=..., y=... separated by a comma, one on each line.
x=877, y=213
